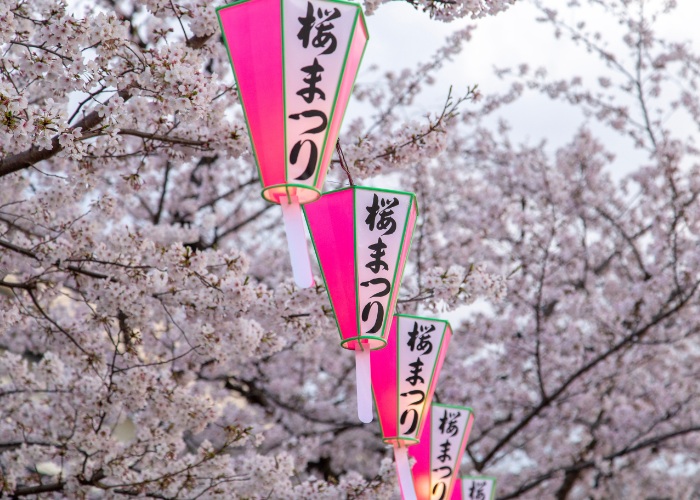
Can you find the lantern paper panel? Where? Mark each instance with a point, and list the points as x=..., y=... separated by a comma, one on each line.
x=405, y=375
x=362, y=237
x=295, y=63
x=403, y=382
x=439, y=453
x=474, y=488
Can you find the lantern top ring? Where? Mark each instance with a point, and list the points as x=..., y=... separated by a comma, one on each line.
x=375, y=189
x=302, y=192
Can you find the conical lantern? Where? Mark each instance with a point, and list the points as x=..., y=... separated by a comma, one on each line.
x=361, y=237
x=295, y=63
x=439, y=453
x=474, y=488
x=403, y=382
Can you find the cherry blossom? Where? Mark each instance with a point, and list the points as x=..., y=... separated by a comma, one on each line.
x=153, y=343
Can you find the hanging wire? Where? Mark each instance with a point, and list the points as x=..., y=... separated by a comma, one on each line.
x=343, y=163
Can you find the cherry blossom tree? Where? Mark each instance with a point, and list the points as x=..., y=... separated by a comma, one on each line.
x=153, y=344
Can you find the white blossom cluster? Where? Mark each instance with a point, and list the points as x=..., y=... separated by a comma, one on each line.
x=459, y=286
x=153, y=345
x=448, y=10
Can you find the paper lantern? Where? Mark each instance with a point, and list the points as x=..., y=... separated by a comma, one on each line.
x=439, y=453
x=474, y=488
x=295, y=63
x=403, y=382
x=361, y=237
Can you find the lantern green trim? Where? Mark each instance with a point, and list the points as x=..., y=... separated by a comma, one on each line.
x=264, y=192
x=364, y=337
x=323, y=275
x=240, y=95
x=410, y=441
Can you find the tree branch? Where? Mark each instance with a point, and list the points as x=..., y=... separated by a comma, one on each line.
x=545, y=402
x=34, y=155
x=589, y=464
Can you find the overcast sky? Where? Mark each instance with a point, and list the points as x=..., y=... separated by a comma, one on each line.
x=401, y=37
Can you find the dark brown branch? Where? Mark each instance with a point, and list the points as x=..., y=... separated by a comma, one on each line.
x=92, y=274
x=59, y=327
x=259, y=395
x=17, y=249
x=37, y=490
x=156, y=363
x=21, y=286
x=34, y=155
x=197, y=42
x=589, y=464
x=629, y=239
x=242, y=223
x=164, y=190
x=163, y=138
x=42, y=47
x=554, y=395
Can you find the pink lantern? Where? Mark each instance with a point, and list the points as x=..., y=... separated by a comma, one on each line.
x=362, y=236
x=439, y=452
x=403, y=381
x=295, y=63
x=474, y=488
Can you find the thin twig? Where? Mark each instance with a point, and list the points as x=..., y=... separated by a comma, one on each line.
x=343, y=163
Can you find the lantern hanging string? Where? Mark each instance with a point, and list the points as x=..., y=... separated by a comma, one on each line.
x=296, y=241
x=403, y=468
x=363, y=382
x=343, y=163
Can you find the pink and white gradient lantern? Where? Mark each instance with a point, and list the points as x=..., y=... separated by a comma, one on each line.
x=362, y=237
x=295, y=63
x=403, y=382
x=439, y=453
x=474, y=488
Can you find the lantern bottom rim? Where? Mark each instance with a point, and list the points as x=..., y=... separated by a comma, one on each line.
x=399, y=441
x=302, y=192
x=373, y=341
